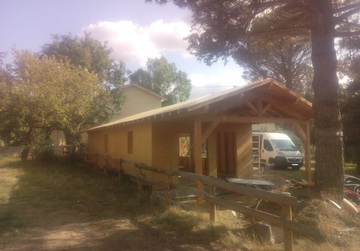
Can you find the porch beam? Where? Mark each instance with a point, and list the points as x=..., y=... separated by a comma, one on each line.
x=209, y=130
x=260, y=120
x=198, y=155
x=259, y=107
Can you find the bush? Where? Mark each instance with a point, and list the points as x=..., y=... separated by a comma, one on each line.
x=44, y=153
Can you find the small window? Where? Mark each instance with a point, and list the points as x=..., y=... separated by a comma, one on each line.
x=184, y=146
x=130, y=142
x=268, y=146
x=106, y=148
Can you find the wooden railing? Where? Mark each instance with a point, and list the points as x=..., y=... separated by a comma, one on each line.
x=144, y=175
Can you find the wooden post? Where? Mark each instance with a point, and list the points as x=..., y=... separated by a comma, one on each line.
x=212, y=190
x=307, y=155
x=198, y=157
x=288, y=234
x=212, y=159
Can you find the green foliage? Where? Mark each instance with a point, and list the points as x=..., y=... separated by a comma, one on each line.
x=44, y=153
x=95, y=57
x=72, y=85
x=350, y=62
x=284, y=59
x=45, y=94
x=164, y=79
x=86, y=52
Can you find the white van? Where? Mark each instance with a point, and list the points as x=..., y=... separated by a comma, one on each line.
x=276, y=150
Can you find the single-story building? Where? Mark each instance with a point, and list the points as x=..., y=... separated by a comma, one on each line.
x=210, y=135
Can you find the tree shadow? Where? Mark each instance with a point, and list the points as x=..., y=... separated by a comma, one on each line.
x=64, y=206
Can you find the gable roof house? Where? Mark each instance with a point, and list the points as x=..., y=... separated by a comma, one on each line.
x=138, y=99
x=223, y=120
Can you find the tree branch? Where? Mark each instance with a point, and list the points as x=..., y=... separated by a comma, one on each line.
x=347, y=7
x=347, y=34
x=347, y=14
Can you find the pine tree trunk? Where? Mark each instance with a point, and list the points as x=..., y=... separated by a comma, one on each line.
x=329, y=170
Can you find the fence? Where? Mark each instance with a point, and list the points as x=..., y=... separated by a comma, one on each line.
x=169, y=179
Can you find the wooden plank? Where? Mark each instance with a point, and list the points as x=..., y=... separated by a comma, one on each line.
x=260, y=120
x=259, y=106
x=198, y=156
x=275, y=197
x=230, y=153
x=212, y=155
x=221, y=155
x=307, y=155
x=212, y=190
x=278, y=198
x=288, y=233
x=260, y=215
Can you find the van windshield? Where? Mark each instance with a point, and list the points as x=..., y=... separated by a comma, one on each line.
x=284, y=145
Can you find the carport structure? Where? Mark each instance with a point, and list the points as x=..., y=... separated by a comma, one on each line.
x=223, y=120
x=267, y=101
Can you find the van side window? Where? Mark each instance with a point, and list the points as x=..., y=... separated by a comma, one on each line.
x=267, y=145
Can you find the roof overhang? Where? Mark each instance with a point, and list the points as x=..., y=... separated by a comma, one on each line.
x=267, y=101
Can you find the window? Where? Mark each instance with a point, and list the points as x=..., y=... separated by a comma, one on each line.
x=184, y=145
x=130, y=142
x=284, y=145
x=268, y=146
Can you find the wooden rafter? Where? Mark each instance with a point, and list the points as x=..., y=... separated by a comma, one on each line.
x=285, y=107
x=252, y=107
x=259, y=103
x=273, y=112
x=260, y=120
x=267, y=107
x=230, y=104
x=209, y=130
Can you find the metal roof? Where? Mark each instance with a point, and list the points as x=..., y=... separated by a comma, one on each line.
x=267, y=98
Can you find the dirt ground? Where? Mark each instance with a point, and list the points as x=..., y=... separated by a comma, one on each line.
x=72, y=229
x=65, y=208
x=36, y=213
x=102, y=235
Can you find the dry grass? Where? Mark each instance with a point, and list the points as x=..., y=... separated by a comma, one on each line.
x=46, y=201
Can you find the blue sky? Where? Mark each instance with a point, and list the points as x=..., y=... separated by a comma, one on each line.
x=135, y=30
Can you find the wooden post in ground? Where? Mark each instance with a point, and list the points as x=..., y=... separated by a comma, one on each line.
x=212, y=190
x=198, y=157
x=307, y=155
x=288, y=234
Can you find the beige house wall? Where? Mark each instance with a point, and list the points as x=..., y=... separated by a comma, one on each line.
x=166, y=143
x=114, y=142
x=158, y=145
x=137, y=100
